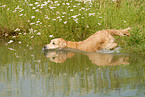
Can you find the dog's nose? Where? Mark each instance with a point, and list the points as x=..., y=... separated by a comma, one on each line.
x=44, y=46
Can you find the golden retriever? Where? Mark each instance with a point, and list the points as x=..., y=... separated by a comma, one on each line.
x=99, y=40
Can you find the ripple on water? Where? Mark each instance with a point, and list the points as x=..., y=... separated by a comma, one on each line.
x=116, y=50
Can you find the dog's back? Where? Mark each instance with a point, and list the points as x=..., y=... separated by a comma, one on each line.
x=102, y=39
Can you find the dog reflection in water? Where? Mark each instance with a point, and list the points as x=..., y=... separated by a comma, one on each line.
x=96, y=58
x=58, y=56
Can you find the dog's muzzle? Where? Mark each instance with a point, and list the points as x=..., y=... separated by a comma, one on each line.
x=44, y=47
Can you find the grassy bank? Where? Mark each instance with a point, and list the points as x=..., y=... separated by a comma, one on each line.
x=38, y=21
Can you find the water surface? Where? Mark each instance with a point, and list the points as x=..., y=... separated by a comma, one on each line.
x=29, y=72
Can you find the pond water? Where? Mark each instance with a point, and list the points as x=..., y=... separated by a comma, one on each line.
x=29, y=72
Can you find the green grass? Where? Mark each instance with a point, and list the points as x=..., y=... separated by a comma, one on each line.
x=72, y=20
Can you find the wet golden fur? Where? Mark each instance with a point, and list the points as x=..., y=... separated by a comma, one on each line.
x=100, y=39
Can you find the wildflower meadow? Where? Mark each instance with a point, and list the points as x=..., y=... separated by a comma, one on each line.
x=36, y=22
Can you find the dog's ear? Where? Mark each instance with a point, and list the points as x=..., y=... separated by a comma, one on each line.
x=62, y=44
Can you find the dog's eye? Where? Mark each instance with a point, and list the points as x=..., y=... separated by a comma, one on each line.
x=53, y=58
x=53, y=43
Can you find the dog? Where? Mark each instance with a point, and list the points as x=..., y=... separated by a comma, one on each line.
x=100, y=40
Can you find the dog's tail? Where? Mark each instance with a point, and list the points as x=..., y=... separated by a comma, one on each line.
x=119, y=32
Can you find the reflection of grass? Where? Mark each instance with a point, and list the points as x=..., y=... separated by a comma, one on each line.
x=76, y=74
x=32, y=22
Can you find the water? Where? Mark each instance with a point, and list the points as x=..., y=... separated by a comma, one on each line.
x=29, y=72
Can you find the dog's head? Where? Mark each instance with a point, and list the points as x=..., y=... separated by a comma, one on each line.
x=57, y=43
